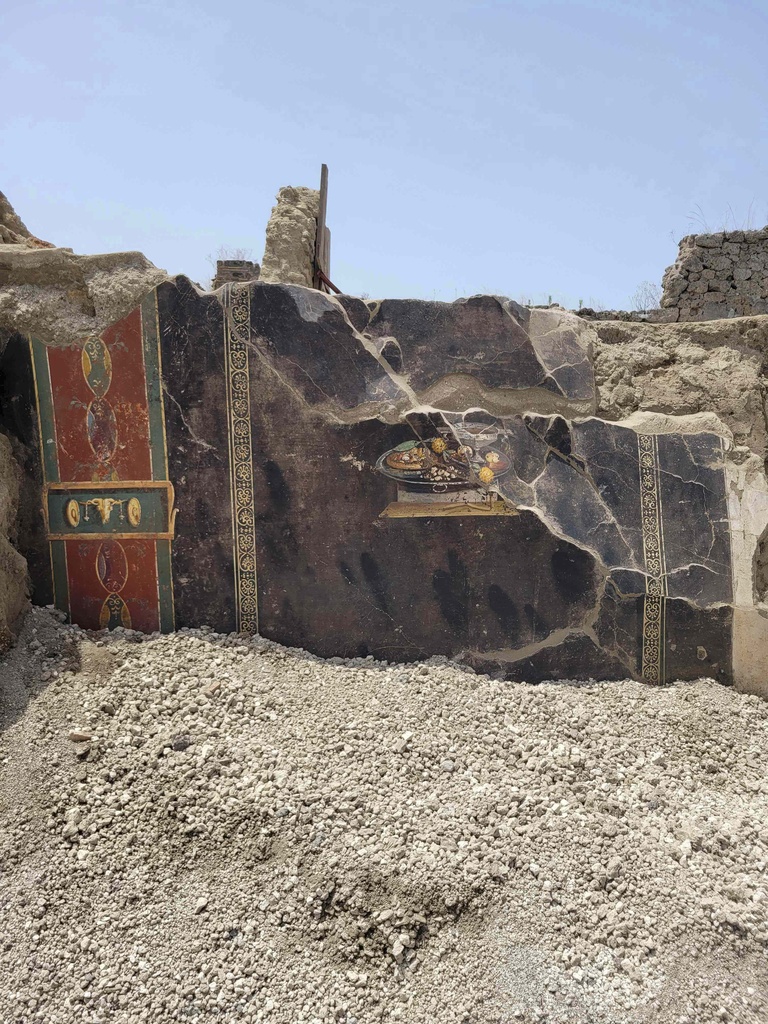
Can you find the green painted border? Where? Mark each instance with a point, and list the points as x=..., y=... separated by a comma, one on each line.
x=45, y=418
x=150, y=336
x=59, y=572
x=155, y=514
x=158, y=447
x=165, y=586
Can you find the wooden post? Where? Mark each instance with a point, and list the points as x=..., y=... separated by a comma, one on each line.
x=322, y=237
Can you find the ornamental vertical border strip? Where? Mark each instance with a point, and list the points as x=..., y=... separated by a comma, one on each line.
x=236, y=301
x=653, y=668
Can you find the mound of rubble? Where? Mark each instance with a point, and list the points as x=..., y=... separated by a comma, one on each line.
x=202, y=827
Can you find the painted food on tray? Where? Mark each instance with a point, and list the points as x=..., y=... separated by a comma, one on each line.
x=409, y=458
x=435, y=461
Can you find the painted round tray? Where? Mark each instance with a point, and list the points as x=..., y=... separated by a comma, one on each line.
x=500, y=467
x=415, y=478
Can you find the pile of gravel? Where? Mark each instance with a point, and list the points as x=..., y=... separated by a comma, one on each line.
x=199, y=827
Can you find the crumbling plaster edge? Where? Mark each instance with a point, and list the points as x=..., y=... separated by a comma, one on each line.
x=747, y=492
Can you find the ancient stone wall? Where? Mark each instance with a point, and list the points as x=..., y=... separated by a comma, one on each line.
x=289, y=251
x=60, y=297
x=718, y=276
x=535, y=494
x=401, y=479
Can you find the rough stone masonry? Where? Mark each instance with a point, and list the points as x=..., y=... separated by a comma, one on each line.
x=718, y=275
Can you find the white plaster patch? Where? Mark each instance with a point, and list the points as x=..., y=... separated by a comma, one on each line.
x=747, y=490
x=644, y=422
x=311, y=304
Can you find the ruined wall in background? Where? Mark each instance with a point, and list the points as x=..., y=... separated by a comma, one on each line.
x=718, y=276
x=228, y=271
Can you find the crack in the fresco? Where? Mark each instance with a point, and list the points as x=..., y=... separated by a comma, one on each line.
x=193, y=436
x=692, y=481
x=301, y=369
x=631, y=560
x=501, y=402
x=265, y=361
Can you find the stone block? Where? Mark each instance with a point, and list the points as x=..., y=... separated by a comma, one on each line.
x=708, y=241
x=663, y=316
x=713, y=310
x=721, y=264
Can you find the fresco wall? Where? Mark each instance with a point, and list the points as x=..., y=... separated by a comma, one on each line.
x=396, y=478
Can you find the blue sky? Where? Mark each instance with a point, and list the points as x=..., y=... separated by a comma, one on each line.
x=521, y=148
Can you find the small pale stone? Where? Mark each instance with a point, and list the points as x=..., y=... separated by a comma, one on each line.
x=78, y=736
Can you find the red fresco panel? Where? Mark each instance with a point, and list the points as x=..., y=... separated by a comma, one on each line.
x=128, y=398
x=71, y=398
x=114, y=446
x=87, y=594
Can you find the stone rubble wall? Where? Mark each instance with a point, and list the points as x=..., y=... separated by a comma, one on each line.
x=60, y=297
x=233, y=271
x=289, y=251
x=635, y=316
x=718, y=276
x=719, y=367
x=15, y=238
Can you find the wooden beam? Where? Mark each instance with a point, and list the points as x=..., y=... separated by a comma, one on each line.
x=321, y=257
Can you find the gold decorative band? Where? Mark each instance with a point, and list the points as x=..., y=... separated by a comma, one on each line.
x=654, y=608
x=120, y=510
x=237, y=334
